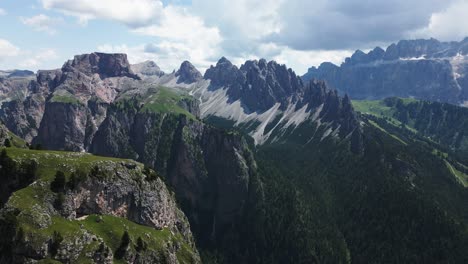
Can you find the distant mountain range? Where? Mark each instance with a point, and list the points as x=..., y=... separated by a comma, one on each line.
x=266, y=168
x=422, y=69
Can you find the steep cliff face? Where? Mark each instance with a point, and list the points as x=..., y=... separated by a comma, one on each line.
x=209, y=169
x=79, y=98
x=86, y=216
x=23, y=105
x=424, y=69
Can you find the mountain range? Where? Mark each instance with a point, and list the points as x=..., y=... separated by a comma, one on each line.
x=249, y=164
x=423, y=69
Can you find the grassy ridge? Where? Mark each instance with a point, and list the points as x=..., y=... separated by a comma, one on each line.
x=165, y=100
x=34, y=201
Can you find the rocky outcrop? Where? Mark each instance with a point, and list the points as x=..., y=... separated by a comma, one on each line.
x=147, y=69
x=149, y=204
x=187, y=73
x=424, y=69
x=100, y=195
x=87, y=79
x=106, y=65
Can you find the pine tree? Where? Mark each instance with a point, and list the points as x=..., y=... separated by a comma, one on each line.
x=7, y=143
x=58, y=184
x=125, y=241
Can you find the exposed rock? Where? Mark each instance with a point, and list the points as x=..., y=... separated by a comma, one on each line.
x=269, y=102
x=424, y=69
x=118, y=189
x=147, y=69
x=258, y=84
x=64, y=126
x=106, y=65
x=187, y=73
x=209, y=169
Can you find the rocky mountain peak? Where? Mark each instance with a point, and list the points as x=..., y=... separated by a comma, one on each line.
x=257, y=83
x=147, y=69
x=104, y=64
x=187, y=73
x=224, y=74
x=223, y=60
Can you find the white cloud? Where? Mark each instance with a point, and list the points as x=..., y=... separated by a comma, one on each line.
x=7, y=49
x=184, y=37
x=42, y=23
x=129, y=12
x=301, y=61
x=300, y=33
x=34, y=60
x=169, y=55
x=248, y=18
x=178, y=34
x=2, y=12
x=12, y=57
x=449, y=24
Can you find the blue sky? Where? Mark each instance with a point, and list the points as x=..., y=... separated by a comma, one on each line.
x=42, y=34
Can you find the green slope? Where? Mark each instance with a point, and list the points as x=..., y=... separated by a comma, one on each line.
x=443, y=123
x=28, y=211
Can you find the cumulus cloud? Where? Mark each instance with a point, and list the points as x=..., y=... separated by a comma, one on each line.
x=178, y=34
x=183, y=37
x=32, y=61
x=167, y=55
x=2, y=12
x=12, y=57
x=344, y=24
x=7, y=49
x=42, y=23
x=129, y=12
x=300, y=33
x=448, y=24
x=301, y=30
x=242, y=23
x=303, y=60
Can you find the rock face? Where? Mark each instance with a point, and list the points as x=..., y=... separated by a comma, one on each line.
x=78, y=98
x=258, y=84
x=147, y=69
x=106, y=65
x=187, y=73
x=108, y=192
x=270, y=102
x=209, y=169
x=149, y=204
x=424, y=69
